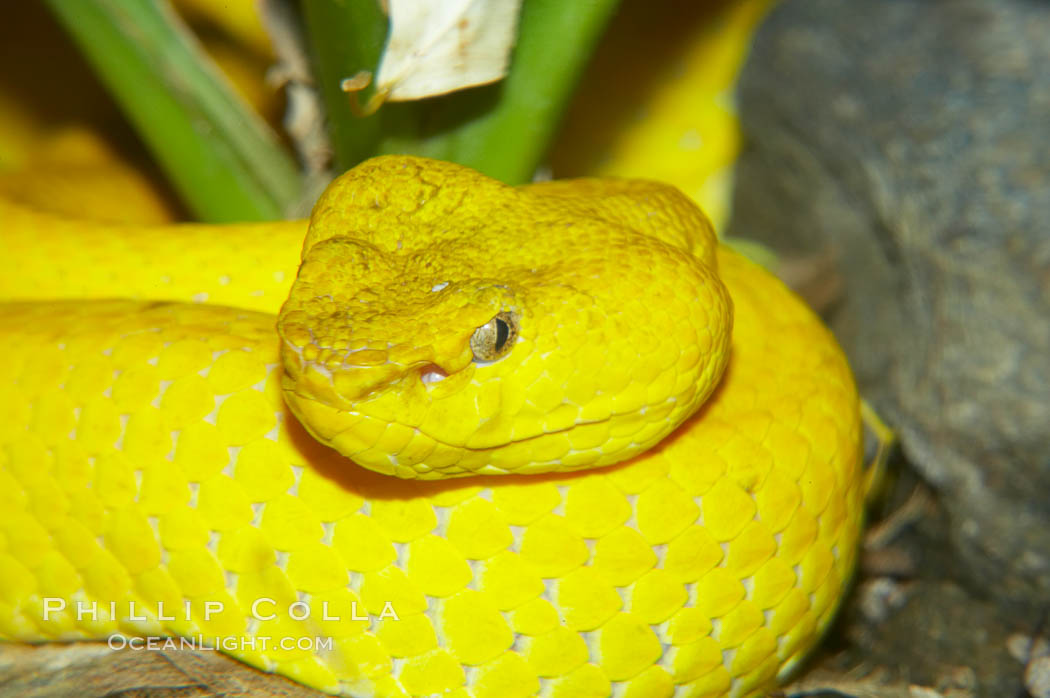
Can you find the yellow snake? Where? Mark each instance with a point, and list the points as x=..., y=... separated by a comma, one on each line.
x=440, y=324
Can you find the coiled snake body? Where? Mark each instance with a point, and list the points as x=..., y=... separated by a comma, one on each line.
x=441, y=324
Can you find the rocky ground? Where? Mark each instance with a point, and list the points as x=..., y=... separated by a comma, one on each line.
x=903, y=145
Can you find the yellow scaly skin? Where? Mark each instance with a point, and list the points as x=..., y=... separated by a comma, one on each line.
x=146, y=453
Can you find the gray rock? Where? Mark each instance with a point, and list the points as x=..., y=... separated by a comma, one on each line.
x=913, y=139
x=1037, y=677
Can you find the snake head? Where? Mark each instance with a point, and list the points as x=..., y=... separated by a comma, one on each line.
x=444, y=324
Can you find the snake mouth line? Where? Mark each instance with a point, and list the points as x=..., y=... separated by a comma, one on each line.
x=524, y=439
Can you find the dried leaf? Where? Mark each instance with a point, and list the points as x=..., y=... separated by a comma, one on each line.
x=439, y=47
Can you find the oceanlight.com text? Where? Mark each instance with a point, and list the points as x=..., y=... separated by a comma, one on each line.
x=257, y=643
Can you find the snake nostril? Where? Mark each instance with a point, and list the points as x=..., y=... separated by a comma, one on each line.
x=432, y=373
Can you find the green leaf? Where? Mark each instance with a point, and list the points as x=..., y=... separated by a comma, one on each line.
x=222, y=159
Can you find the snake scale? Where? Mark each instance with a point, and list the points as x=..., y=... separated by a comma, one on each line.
x=594, y=452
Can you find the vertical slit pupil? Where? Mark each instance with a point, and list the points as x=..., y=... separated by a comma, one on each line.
x=502, y=332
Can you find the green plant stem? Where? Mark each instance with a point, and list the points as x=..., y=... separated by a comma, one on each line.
x=346, y=38
x=509, y=140
x=502, y=130
x=222, y=159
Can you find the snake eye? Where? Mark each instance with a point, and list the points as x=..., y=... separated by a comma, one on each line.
x=494, y=339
